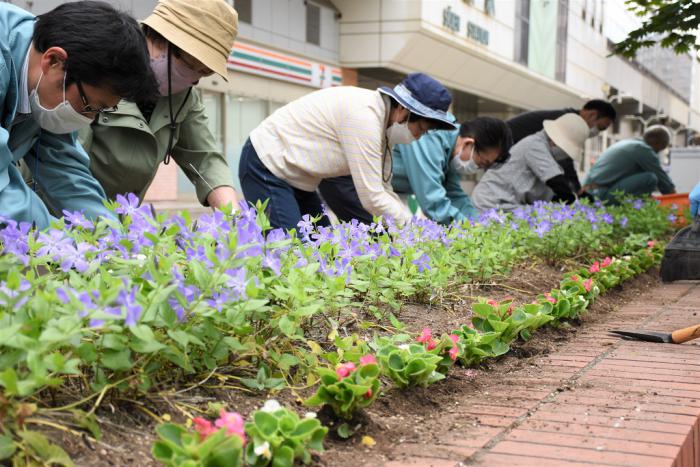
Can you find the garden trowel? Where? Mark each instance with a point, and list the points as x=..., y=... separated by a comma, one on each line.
x=675, y=337
x=681, y=259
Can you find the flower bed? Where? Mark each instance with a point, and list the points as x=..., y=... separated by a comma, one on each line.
x=151, y=303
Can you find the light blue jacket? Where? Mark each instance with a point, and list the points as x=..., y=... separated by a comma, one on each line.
x=58, y=163
x=423, y=168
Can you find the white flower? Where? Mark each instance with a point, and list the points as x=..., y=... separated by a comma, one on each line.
x=310, y=415
x=263, y=449
x=140, y=257
x=403, y=346
x=271, y=405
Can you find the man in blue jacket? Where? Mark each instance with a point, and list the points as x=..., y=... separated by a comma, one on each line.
x=57, y=72
x=430, y=168
x=631, y=167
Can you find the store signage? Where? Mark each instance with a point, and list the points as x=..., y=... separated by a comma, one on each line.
x=450, y=19
x=477, y=33
x=453, y=22
x=277, y=65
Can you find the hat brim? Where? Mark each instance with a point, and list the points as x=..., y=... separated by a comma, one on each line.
x=561, y=139
x=190, y=44
x=416, y=107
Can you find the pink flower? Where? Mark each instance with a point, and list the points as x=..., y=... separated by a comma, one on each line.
x=575, y=278
x=233, y=422
x=344, y=369
x=606, y=262
x=431, y=344
x=549, y=298
x=492, y=302
x=203, y=426
x=454, y=351
x=368, y=359
x=595, y=267
x=425, y=336
x=454, y=338
x=651, y=243
x=368, y=394
x=588, y=284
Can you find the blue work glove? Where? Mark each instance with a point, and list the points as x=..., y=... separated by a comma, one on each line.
x=694, y=197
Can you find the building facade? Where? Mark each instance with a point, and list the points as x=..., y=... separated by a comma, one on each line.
x=498, y=57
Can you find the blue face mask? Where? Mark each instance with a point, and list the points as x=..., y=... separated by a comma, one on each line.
x=61, y=119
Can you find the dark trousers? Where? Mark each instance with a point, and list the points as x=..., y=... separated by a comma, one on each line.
x=286, y=204
x=340, y=196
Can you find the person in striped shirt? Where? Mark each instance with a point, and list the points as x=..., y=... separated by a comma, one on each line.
x=339, y=131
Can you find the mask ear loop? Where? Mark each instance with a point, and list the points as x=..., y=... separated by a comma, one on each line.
x=173, y=125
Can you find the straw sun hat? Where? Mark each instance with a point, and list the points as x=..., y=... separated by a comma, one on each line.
x=204, y=29
x=569, y=132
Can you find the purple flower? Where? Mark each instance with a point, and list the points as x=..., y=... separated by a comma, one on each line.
x=672, y=217
x=77, y=219
x=623, y=221
x=638, y=204
x=542, y=228
x=276, y=235
x=305, y=225
x=218, y=300
x=53, y=244
x=14, y=238
x=423, y=262
x=15, y=298
x=76, y=257
x=271, y=261
x=237, y=282
x=213, y=224
x=394, y=252
x=129, y=206
x=607, y=218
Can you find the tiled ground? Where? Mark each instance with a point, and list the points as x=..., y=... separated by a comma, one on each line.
x=596, y=400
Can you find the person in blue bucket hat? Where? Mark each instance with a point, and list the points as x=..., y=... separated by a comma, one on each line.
x=337, y=132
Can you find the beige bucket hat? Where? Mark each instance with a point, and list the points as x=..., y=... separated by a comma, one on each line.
x=205, y=29
x=569, y=132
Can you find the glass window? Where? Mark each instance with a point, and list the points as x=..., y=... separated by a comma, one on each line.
x=245, y=10
x=522, y=31
x=242, y=116
x=562, y=31
x=313, y=24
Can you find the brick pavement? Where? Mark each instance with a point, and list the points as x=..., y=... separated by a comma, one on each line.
x=596, y=400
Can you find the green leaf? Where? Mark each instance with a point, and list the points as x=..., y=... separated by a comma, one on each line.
x=283, y=457
x=7, y=447
x=344, y=431
x=117, y=359
x=266, y=423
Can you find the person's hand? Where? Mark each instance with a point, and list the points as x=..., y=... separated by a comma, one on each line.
x=221, y=196
x=694, y=198
x=587, y=196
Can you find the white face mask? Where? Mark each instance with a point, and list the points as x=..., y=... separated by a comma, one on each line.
x=61, y=119
x=595, y=131
x=663, y=154
x=398, y=133
x=464, y=167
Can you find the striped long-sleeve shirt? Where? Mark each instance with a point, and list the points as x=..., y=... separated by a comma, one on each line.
x=330, y=133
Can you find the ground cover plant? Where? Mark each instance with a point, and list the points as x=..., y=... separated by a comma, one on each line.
x=152, y=304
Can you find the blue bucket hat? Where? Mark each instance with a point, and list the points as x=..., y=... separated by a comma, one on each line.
x=424, y=96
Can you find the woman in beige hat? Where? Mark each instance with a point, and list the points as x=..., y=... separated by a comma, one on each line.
x=187, y=41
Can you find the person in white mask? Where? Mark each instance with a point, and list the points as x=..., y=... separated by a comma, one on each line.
x=187, y=40
x=58, y=71
x=631, y=167
x=431, y=169
x=335, y=132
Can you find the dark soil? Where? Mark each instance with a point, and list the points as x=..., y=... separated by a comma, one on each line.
x=416, y=415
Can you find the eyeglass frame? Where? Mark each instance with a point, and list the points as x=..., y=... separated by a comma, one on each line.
x=87, y=108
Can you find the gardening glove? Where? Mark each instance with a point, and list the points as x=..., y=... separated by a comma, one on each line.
x=694, y=200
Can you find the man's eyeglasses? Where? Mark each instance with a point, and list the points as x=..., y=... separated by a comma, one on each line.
x=87, y=108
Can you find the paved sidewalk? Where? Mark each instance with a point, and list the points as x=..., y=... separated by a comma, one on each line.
x=595, y=400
